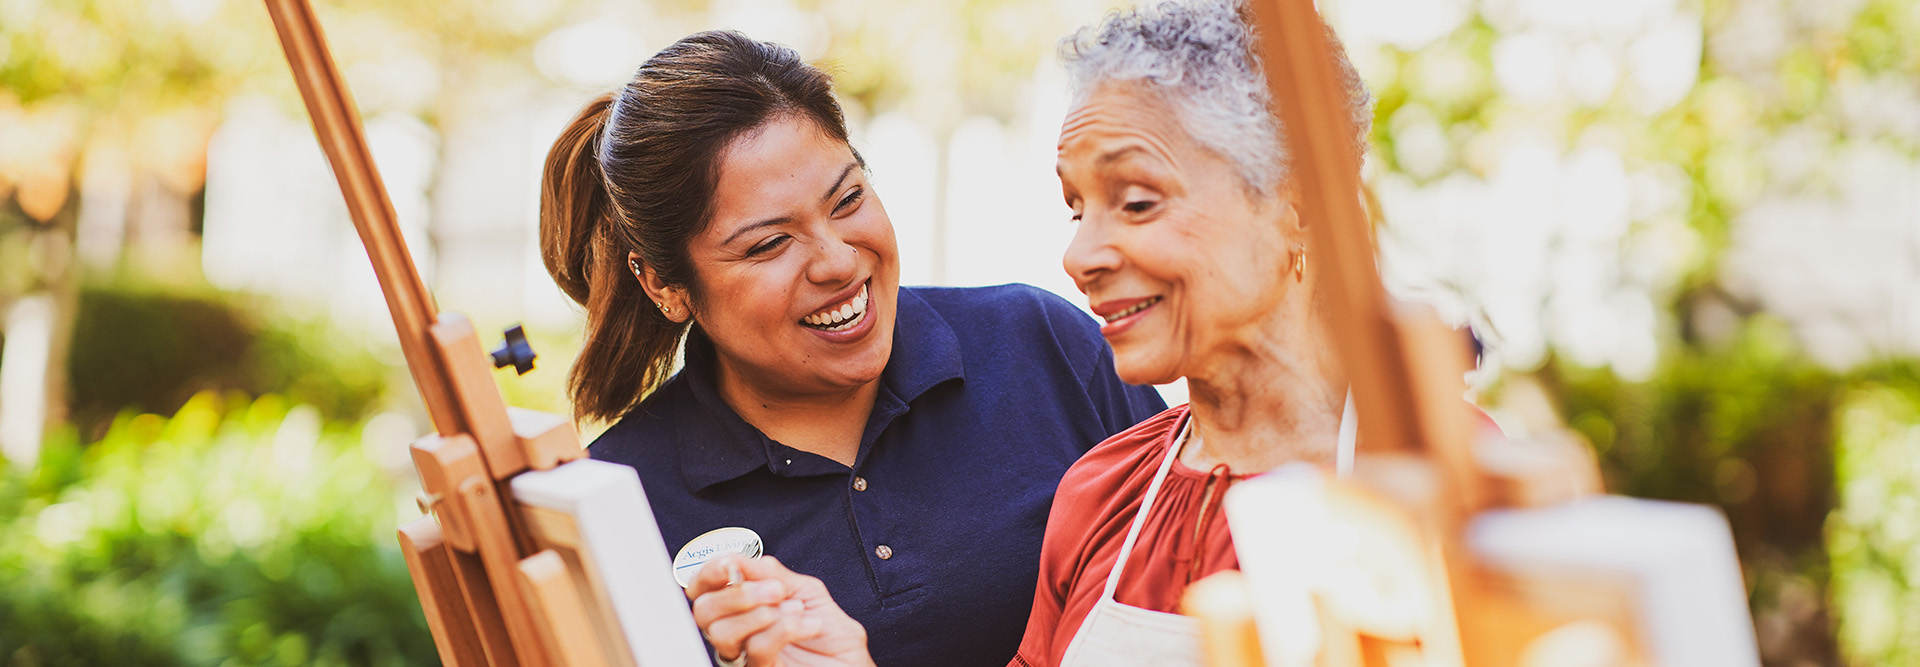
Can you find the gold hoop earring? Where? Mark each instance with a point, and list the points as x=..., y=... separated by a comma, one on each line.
x=1300, y=266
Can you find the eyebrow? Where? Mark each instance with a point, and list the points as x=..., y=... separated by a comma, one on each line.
x=763, y=223
x=844, y=171
x=1106, y=159
x=1117, y=154
x=837, y=182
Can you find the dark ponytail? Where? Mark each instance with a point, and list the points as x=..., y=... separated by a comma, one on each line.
x=573, y=202
x=635, y=173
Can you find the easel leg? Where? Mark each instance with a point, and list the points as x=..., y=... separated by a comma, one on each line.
x=476, y=590
x=430, y=561
x=559, y=611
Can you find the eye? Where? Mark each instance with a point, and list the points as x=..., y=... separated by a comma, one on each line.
x=768, y=245
x=851, y=200
x=1140, y=206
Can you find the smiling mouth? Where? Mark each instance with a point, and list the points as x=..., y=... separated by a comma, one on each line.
x=1135, y=308
x=840, y=317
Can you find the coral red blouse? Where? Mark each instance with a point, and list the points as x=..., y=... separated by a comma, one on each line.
x=1091, y=513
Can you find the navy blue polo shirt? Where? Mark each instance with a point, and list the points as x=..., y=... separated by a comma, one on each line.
x=932, y=539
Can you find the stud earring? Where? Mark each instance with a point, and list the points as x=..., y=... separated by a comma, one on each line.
x=631, y=264
x=1300, y=266
x=664, y=310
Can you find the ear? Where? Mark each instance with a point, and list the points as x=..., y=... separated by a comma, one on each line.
x=1293, y=226
x=672, y=302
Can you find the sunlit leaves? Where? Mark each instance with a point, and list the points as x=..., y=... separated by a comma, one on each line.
x=235, y=532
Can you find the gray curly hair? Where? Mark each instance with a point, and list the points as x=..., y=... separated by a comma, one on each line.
x=1202, y=57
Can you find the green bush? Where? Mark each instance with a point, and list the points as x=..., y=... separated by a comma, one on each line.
x=1874, y=537
x=237, y=532
x=1813, y=467
x=144, y=350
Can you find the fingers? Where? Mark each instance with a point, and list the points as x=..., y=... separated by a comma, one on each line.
x=763, y=631
x=715, y=575
x=798, y=585
x=791, y=625
x=766, y=608
x=730, y=635
x=735, y=600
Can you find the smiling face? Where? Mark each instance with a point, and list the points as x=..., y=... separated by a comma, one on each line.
x=797, y=274
x=1173, y=251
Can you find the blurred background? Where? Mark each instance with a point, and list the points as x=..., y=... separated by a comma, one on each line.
x=1689, y=231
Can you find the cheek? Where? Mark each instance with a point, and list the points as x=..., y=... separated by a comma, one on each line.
x=1163, y=252
x=748, y=298
x=875, y=231
x=1244, y=276
x=1255, y=264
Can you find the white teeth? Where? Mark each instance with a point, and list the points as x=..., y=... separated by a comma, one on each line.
x=842, y=318
x=1143, y=305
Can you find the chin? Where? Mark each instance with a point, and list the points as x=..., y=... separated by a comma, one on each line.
x=867, y=365
x=1143, y=367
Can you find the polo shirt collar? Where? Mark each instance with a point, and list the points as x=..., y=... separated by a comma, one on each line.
x=716, y=445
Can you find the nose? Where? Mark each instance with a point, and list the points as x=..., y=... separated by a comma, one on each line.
x=834, y=263
x=1090, y=255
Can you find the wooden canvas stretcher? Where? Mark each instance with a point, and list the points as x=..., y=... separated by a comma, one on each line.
x=1445, y=547
x=530, y=553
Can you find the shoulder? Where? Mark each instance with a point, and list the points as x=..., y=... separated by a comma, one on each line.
x=1012, y=301
x=1014, y=315
x=640, y=435
x=1128, y=458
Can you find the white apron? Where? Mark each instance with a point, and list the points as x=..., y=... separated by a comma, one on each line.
x=1118, y=635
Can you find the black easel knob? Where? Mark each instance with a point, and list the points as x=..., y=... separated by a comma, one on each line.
x=514, y=351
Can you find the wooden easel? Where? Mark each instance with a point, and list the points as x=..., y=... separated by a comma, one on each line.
x=1497, y=551
x=508, y=565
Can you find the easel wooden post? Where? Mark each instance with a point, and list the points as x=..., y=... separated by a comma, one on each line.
x=501, y=581
x=1464, y=511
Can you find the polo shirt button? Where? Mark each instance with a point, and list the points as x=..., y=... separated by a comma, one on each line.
x=883, y=551
x=859, y=483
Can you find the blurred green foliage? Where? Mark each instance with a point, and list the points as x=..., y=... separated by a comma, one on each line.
x=141, y=350
x=1874, y=537
x=1813, y=464
x=237, y=532
x=1747, y=425
x=248, y=530
x=1818, y=472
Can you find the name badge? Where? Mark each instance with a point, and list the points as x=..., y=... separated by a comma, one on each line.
x=714, y=544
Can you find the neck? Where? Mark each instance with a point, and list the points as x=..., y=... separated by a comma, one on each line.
x=1271, y=395
x=828, y=423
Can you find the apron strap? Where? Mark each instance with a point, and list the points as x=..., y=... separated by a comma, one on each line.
x=1343, y=466
x=1349, y=433
x=1140, y=518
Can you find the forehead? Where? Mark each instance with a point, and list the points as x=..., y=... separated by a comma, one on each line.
x=783, y=164
x=783, y=148
x=1120, y=119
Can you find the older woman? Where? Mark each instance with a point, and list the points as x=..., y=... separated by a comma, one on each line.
x=896, y=446
x=1191, y=247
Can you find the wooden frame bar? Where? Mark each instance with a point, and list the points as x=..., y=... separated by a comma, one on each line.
x=491, y=593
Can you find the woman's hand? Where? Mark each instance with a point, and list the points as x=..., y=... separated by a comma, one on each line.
x=778, y=617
